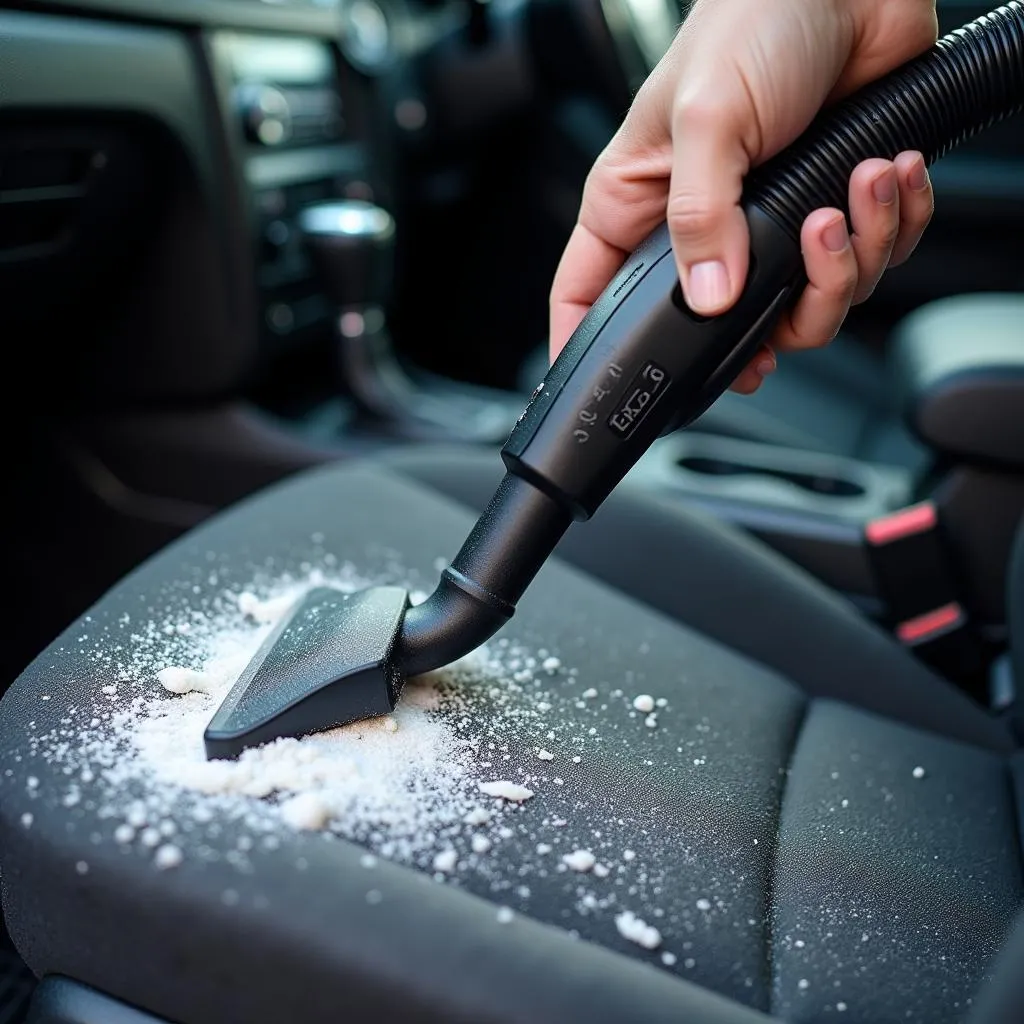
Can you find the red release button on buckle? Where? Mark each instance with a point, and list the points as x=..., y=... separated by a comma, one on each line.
x=905, y=523
x=931, y=625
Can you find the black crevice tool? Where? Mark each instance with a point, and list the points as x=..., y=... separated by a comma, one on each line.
x=639, y=365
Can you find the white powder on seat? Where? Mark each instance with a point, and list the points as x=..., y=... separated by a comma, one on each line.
x=579, y=860
x=305, y=811
x=644, y=702
x=176, y=679
x=265, y=611
x=633, y=929
x=436, y=785
x=511, y=791
x=168, y=857
x=446, y=861
x=400, y=784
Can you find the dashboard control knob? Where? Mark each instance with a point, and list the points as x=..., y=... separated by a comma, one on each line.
x=266, y=115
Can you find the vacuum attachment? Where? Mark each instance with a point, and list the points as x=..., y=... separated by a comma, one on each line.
x=639, y=365
x=328, y=662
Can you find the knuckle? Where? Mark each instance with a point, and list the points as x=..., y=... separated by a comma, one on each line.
x=694, y=111
x=598, y=181
x=828, y=332
x=800, y=339
x=692, y=216
x=802, y=331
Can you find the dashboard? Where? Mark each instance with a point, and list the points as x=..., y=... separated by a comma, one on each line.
x=236, y=112
x=169, y=146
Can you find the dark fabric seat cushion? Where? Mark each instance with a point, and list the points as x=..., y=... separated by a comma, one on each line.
x=776, y=828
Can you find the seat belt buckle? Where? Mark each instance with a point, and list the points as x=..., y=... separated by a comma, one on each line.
x=913, y=575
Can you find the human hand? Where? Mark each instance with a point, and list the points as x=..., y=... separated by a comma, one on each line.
x=742, y=80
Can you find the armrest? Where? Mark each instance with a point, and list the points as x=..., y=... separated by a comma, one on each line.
x=959, y=369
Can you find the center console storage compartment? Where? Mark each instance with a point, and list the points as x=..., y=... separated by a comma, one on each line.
x=809, y=506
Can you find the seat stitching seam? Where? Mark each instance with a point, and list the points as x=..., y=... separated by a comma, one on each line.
x=773, y=859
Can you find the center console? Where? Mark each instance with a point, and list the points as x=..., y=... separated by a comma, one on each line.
x=807, y=505
x=297, y=127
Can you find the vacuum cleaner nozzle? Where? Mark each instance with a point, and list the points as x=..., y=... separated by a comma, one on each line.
x=327, y=663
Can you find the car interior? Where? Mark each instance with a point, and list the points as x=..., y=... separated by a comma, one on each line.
x=273, y=292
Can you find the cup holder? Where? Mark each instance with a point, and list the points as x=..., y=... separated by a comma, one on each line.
x=813, y=483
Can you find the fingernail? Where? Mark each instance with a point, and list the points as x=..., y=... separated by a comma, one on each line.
x=766, y=366
x=917, y=176
x=708, y=286
x=884, y=187
x=835, y=236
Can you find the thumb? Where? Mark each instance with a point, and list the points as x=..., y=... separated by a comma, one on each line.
x=707, y=226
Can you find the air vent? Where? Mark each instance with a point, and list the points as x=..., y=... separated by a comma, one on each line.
x=41, y=193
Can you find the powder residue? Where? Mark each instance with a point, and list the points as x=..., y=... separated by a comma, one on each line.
x=506, y=790
x=579, y=860
x=176, y=679
x=633, y=929
x=456, y=781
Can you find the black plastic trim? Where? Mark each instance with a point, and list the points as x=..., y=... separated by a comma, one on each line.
x=83, y=66
x=78, y=64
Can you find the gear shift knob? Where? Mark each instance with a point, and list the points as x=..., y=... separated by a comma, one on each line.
x=351, y=245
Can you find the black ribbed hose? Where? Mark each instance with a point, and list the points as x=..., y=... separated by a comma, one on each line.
x=968, y=81
x=478, y=593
